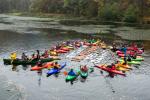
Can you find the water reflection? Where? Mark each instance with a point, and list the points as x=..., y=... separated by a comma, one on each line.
x=25, y=67
x=40, y=75
x=14, y=67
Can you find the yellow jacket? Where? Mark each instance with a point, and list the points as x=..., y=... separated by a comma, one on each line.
x=13, y=56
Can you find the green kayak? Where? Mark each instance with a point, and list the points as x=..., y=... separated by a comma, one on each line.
x=137, y=59
x=26, y=62
x=73, y=77
x=70, y=78
x=83, y=74
x=131, y=62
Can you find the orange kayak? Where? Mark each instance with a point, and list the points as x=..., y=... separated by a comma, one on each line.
x=47, y=65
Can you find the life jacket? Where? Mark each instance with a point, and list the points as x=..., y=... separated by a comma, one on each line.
x=13, y=56
x=71, y=73
x=113, y=67
x=84, y=69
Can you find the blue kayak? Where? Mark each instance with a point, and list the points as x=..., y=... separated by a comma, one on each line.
x=55, y=71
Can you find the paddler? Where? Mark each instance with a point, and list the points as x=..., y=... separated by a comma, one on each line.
x=39, y=63
x=124, y=49
x=38, y=54
x=24, y=57
x=33, y=56
x=134, y=55
x=112, y=66
x=13, y=56
x=58, y=47
x=84, y=68
x=114, y=47
x=71, y=73
x=56, y=65
x=45, y=53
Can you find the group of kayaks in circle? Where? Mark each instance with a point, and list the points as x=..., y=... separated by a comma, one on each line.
x=128, y=55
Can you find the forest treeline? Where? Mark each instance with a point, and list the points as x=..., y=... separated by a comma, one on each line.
x=107, y=10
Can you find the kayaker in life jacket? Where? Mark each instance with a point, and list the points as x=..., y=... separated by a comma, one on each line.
x=38, y=54
x=56, y=65
x=39, y=63
x=113, y=66
x=13, y=56
x=24, y=57
x=58, y=47
x=71, y=73
x=67, y=43
x=124, y=49
x=33, y=56
x=114, y=47
x=46, y=54
x=134, y=55
x=84, y=68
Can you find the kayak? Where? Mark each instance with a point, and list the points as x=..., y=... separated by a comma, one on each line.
x=135, y=49
x=71, y=78
x=103, y=67
x=47, y=65
x=27, y=62
x=103, y=47
x=128, y=52
x=124, y=66
x=131, y=62
x=137, y=59
x=121, y=69
x=61, y=51
x=122, y=55
x=78, y=45
x=55, y=71
x=65, y=49
x=53, y=53
x=83, y=74
x=70, y=47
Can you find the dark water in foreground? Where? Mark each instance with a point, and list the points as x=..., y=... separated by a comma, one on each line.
x=29, y=85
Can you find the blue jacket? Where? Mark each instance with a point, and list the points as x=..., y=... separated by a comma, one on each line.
x=124, y=49
x=72, y=73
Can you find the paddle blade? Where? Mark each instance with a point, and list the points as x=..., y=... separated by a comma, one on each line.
x=65, y=73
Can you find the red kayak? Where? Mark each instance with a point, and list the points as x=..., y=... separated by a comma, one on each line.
x=129, y=52
x=110, y=70
x=122, y=55
x=36, y=68
x=65, y=49
x=78, y=45
x=61, y=51
x=87, y=44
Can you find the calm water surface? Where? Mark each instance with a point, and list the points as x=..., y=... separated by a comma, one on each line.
x=26, y=34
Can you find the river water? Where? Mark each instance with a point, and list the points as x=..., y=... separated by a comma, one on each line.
x=27, y=34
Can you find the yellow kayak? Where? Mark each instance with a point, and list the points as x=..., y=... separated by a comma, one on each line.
x=69, y=47
x=123, y=66
x=53, y=53
x=122, y=69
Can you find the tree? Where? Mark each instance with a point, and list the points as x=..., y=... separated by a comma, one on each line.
x=110, y=12
x=131, y=14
